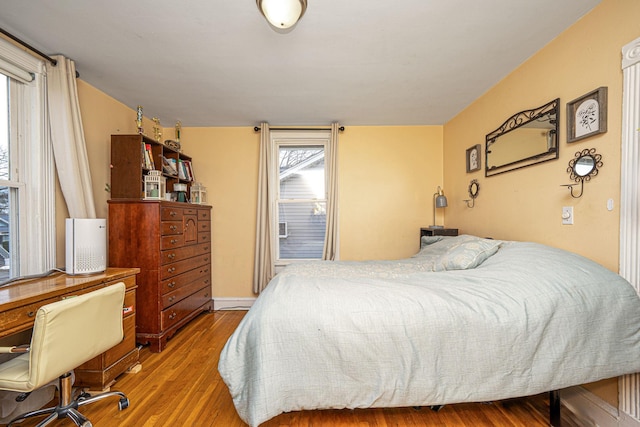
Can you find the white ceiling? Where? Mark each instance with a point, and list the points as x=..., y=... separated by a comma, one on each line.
x=359, y=62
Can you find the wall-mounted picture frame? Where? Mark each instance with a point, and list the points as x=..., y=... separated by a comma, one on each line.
x=587, y=115
x=474, y=158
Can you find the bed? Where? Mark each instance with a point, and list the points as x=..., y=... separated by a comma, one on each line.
x=465, y=320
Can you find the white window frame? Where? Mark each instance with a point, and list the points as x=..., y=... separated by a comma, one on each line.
x=32, y=177
x=319, y=138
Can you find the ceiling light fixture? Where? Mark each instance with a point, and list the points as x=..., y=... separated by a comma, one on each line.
x=282, y=14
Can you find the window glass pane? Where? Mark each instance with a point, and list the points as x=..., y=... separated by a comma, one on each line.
x=302, y=227
x=301, y=172
x=4, y=127
x=5, y=205
x=5, y=250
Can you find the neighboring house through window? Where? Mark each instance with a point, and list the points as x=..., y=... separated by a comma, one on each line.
x=301, y=196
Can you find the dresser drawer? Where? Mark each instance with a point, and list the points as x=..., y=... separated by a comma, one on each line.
x=204, y=214
x=184, y=291
x=171, y=227
x=175, y=268
x=204, y=225
x=204, y=236
x=184, y=308
x=176, y=282
x=171, y=214
x=171, y=241
x=173, y=255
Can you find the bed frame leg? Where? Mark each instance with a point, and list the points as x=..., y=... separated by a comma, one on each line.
x=554, y=408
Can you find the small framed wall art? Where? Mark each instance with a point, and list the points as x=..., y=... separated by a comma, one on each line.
x=587, y=115
x=474, y=156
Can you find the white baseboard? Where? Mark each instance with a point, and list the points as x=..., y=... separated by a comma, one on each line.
x=593, y=411
x=233, y=303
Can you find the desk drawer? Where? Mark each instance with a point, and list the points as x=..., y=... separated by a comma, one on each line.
x=129, y=306
x=114, y=354
x=22, y=317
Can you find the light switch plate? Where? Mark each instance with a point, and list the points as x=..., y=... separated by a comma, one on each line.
x=567, y=215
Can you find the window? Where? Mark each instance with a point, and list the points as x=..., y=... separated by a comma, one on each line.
x=27, y=191
x=301, y=198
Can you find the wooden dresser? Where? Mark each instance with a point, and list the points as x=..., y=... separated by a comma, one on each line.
x=171, y=244
x=20, y=301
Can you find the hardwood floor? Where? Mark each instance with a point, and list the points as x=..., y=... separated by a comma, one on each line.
x=181, y=387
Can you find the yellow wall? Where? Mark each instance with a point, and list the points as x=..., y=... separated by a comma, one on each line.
x=526, y=204
x=387, y=179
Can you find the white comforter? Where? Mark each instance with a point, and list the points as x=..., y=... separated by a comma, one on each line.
x=528, y=319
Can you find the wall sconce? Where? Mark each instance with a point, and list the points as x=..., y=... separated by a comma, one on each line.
x=439, y=201
x=474, y=189
x=582, y=168
x=282, y=14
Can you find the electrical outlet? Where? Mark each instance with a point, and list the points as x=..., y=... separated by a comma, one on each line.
x=567, y=215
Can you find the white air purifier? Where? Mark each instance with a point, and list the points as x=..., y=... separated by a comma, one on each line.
x=86, y=245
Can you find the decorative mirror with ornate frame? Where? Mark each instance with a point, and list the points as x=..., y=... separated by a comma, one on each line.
x=474, y=189
x=583, y=167
x=524, y=139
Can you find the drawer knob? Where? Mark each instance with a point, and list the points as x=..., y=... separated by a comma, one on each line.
x=172, y=316
x=31, y=313
x=171, y=298
x=171, y=269
x=174, y=241
x=171, y=256
x=173, y=228
x=207, y=294
x=173, y=213
x=172, y=285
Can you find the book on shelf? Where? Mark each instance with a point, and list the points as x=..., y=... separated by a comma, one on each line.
x=169, y=166
x=150, y=154
x=181, y=170
x=147, y=156
x=184, y=170
x=187, y=163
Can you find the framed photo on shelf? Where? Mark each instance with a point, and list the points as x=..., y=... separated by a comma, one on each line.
x=587, y=115
x=474, y=156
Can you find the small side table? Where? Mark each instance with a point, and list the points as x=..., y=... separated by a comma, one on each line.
x=426, y=231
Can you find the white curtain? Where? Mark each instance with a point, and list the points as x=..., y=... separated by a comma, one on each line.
x=263, y=269
x=330, y=249
x=67, y=137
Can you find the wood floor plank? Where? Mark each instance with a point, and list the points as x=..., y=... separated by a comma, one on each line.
x=182, y=387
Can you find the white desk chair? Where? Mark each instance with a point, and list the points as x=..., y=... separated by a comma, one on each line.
x=66, y=334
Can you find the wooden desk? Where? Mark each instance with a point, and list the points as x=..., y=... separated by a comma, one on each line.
x=20, y=301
